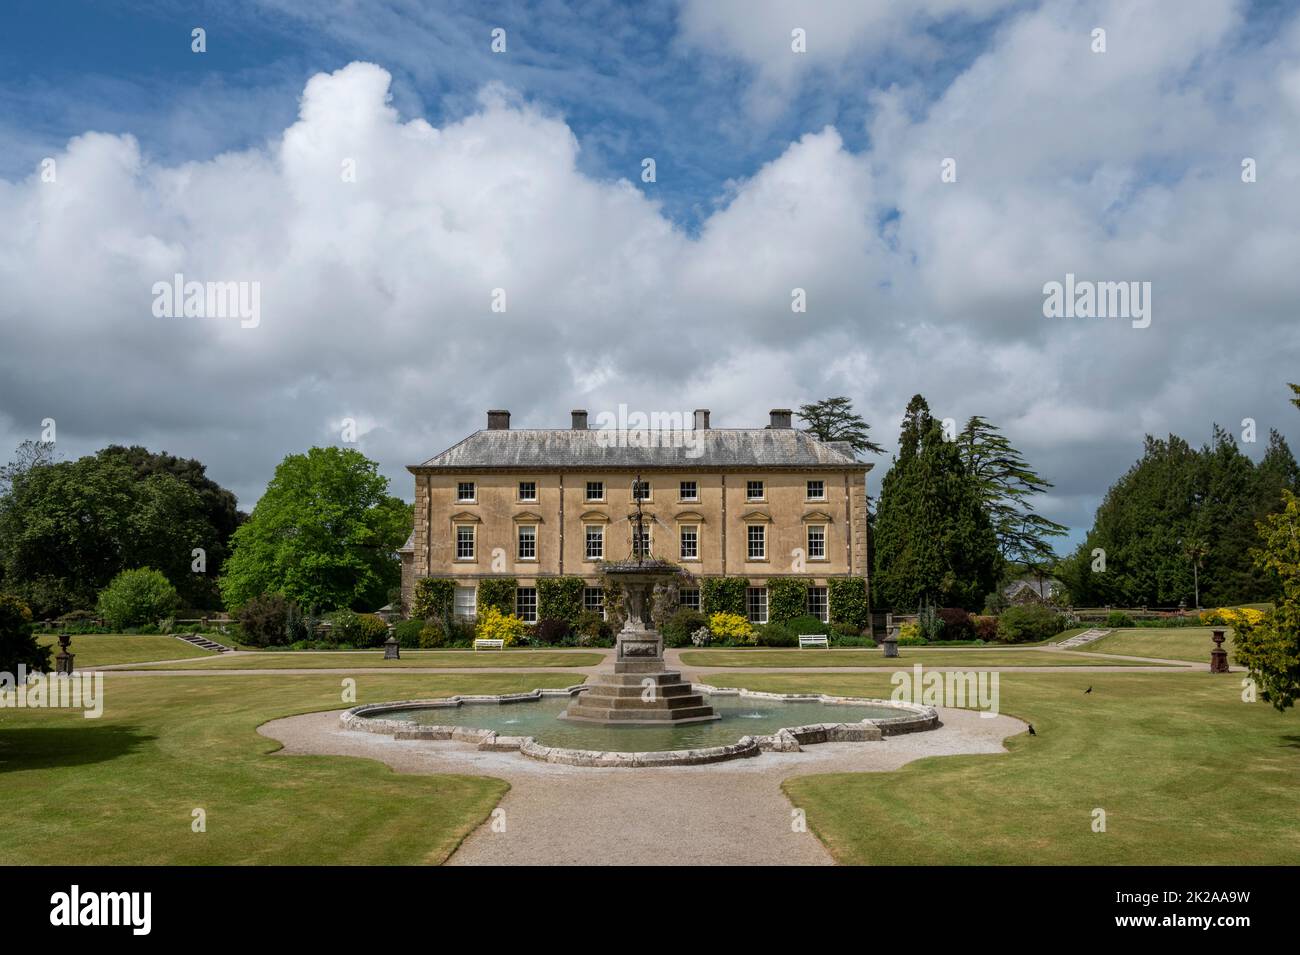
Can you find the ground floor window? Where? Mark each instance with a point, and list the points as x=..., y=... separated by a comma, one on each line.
x=756, y=604
x=466, y=602
x=689, y=597
x=818, y=606
x=526, y=604
x=593, y=599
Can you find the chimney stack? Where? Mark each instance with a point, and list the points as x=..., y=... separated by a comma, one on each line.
x=498, y=420
x=781, y=418
x=701, y=419
x=579, y=419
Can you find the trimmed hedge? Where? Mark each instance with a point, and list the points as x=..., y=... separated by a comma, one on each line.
x=1029, y=623
x=560, y=598
x=848, y=600
x=723, y=595
x=805, y=625
x=137, y=597
x=776, y=635
x=787, y=598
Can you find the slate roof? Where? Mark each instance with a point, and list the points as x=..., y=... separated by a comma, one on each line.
x=764, y=448
x=1044, y=588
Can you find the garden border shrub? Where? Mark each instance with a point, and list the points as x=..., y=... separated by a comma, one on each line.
x=1029, y=623
x=141, y=595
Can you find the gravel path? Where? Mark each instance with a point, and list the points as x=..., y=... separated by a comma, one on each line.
x=723, y=814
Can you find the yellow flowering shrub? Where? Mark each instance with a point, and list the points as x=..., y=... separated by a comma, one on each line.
x=1232, y=616
x=733, y=627
x=495, y=625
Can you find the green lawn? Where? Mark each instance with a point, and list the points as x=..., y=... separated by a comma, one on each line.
x=1175, y=643
x=121, y=789
x=101, y=649
x=979, y=658
x=1186, y=772
x=351, y=659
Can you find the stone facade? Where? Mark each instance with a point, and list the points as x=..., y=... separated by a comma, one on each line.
x=524, y=504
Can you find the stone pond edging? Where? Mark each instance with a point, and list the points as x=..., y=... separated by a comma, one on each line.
x=790, y=739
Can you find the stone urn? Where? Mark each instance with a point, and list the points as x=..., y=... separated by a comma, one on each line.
x=1218, y=656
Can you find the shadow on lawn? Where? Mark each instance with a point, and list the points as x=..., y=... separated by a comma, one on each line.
x=47, y=747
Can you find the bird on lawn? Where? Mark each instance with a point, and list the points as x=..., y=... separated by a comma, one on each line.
x=1087, y=691
x=1031, y=730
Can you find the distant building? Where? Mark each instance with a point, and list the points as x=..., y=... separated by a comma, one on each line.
x=753, y=502
x=1025, y=590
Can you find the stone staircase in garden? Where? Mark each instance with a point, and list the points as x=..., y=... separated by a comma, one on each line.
x=199, y=640
x=1080, y=639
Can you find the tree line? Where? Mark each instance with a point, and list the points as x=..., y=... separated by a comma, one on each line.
x=955, y=518
x=324, y=533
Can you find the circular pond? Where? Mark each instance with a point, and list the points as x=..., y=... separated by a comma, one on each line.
x=741, y=715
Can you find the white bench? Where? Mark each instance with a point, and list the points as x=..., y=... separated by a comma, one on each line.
x=814, y=640
x=489, y=644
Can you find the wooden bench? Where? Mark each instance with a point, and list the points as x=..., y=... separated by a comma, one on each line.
x=814, y=640
x=489, y=644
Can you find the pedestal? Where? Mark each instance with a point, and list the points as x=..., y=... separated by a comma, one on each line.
x=63, y=660
x=1218, y=656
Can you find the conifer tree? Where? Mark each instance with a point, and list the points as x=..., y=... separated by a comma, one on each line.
x=934, y=543
x=1006, y=483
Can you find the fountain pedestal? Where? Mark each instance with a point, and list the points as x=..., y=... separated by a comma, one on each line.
x=639, y=690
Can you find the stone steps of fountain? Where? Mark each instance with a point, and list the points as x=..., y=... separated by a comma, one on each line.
x=636, y=689
x=660, y=702
x=626, y=714
x=660, y=677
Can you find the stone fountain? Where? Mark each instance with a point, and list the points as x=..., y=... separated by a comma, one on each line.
x=639, y=689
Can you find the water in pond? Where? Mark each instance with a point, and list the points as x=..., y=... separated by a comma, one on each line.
x=741, y=716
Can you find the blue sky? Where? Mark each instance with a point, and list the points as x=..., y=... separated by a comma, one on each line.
x=775, y=171
x=616, y=71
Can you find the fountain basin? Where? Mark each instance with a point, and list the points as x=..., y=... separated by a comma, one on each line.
x=748, y=723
